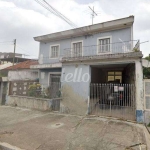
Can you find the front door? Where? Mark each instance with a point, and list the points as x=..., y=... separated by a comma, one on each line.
x=55, y=85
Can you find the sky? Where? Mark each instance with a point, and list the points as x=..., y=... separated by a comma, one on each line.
x=25, y=19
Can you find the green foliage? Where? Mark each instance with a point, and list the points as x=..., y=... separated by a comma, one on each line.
x=148, y=125
x=135, y=50
x=147, y=58
x=146, y=72
x=3, y=74
x=34, y=90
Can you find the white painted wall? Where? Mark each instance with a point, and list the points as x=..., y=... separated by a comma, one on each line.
x=139, y=86
x=22, y=75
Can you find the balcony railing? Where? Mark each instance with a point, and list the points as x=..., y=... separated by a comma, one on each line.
x=94, y=50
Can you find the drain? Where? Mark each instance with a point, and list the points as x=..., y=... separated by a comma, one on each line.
x=57, y=125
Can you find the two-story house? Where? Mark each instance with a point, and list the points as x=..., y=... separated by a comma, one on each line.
x=99, y=67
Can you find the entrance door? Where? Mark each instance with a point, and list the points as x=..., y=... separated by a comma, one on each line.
x=55, y=85
x=114, y=100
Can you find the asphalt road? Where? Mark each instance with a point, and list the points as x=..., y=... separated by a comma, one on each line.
x=35, y=130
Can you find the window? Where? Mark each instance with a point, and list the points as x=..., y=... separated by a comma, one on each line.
x=54, y=51
x=104, y=45
x=115, y=77
x=77, y=49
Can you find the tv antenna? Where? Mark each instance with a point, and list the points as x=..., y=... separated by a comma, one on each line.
x=93, y=13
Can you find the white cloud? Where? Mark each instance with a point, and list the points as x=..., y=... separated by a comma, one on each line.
x=24, y=19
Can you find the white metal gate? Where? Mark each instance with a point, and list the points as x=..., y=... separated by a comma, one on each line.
x=114, y=100
x=147, y=94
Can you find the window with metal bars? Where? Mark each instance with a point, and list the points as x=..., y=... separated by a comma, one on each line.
x=54, y=51
x=104, y=45
x=77, y=49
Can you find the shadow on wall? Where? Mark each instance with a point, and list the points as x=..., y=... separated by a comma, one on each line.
x=72, y=102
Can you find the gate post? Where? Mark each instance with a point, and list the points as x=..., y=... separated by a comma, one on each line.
x=139, y=91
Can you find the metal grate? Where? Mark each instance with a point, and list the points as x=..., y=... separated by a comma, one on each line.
x=115, y=100
x=147, y=93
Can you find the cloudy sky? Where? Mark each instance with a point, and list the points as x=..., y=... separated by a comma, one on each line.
x=25, y=19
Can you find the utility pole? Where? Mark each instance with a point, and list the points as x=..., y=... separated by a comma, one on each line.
x=93, y=13
x=14, y=51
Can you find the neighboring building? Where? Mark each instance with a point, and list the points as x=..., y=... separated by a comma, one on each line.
x=9, y=55
x=3, y=81
x=22, y=71
x=95, y=63
x=9, y=58
x=19, y=76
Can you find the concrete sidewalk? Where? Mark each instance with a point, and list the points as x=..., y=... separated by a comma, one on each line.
x=35, y=130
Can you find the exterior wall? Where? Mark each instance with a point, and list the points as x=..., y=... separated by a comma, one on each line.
x=1, y=90
x=139, y=91
x=22, y=75
x=34, y=103
x=75, y=90
x=44, y=75
x=122, y=34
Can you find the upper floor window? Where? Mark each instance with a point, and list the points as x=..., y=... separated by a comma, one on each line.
x=54, y=51
x=104, y=45
x=77, y=49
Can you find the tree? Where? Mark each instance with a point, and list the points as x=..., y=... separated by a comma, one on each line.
x=146, y=71
x=147, y=57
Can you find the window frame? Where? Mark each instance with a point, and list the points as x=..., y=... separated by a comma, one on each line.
x=114, y=74
x=81, y=41
x=50, y=52
x=102, y=38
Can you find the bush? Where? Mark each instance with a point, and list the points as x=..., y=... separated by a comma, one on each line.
x=34, y=90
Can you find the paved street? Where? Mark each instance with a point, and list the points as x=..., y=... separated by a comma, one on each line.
x=36, y=130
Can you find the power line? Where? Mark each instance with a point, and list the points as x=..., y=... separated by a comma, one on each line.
x=27, y=54
x=60, y=14
x=47, y=6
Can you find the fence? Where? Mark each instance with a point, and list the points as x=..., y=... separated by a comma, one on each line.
x=116, y=100
x=19, y=87
x=34, y=89
x=147, y=100
x=111, y=48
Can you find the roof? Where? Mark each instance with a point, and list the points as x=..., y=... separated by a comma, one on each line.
x=23, y=65
x=88, y=30
x=6, y=65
